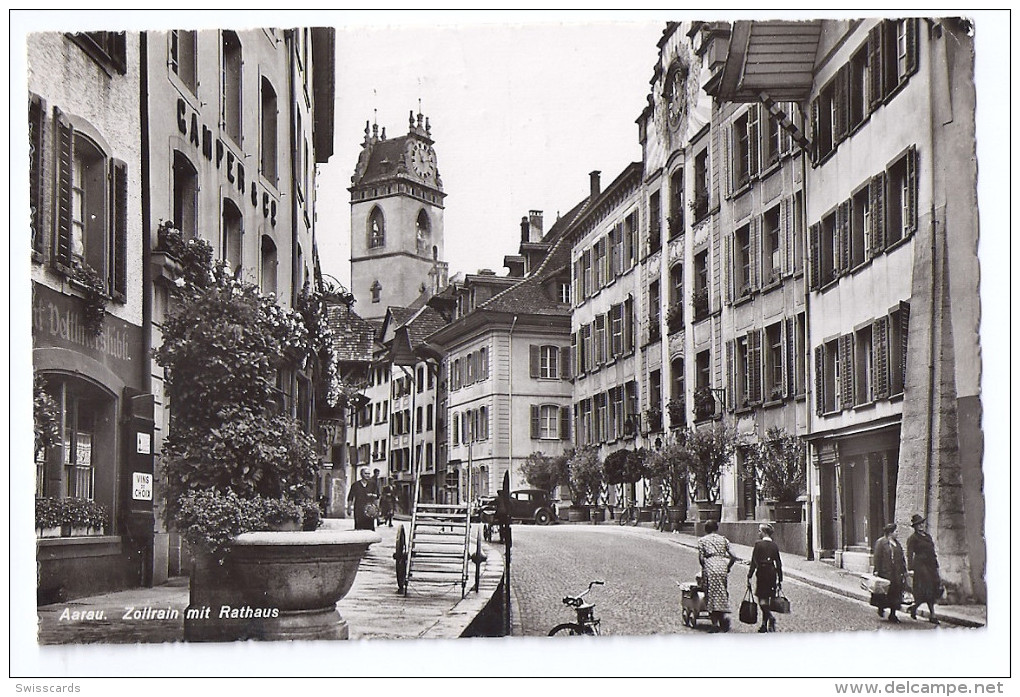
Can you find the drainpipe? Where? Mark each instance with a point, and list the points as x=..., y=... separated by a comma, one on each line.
x=510, y=398
x=147, y=288
x=805, y=261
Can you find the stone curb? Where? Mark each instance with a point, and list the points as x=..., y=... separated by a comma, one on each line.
x=455, y=621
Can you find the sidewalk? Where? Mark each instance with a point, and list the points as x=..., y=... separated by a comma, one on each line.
x=373, y=608
x=835, y=580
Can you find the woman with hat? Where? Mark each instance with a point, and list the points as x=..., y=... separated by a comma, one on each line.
x=765, y=562
x=921, y=559
x=890, y=564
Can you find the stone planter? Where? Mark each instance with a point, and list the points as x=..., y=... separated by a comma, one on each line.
x=576, y=515
x=597, y=515
x=276, y=585
x=709, y=511
x=52, y=531
x=677, y=515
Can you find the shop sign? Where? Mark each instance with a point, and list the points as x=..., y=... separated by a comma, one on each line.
x=141, y=486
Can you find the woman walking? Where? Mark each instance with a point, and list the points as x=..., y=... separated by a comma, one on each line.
x=716, y=561
x=362, y=501
x=767, y=564
x=922, y=560
x=890, y=564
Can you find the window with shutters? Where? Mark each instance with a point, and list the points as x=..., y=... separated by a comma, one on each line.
x=775, y=364
x=822, y=111
x=860, y=227
x=796, y=211
x=899, y=52
x=632, y=411
x=183, y=57
x=601, y=418
x=864, y=392
x=772, y=139
x=831, y=377
x=455, y=428
x=630, y=236
x=616, y=330
x=742, y=260
x=653, y=312
x=628, y=325
x=828, y=251
x=741, y=372
x=599, y=339
x=703, y=374
x=702, y=186
x=858, y=95
x=654, y=223
x=586, y=273
x=616, y=413
x=36, y=150
x=799, y=359
x=741, y=152
x=107, y=48
x=771, y=256
x=901, y=198
x=897, y=348
x=268, y=121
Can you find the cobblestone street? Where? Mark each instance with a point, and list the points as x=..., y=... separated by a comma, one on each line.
x=641, y=568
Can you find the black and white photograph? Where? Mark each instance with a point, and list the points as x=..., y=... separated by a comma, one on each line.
x=511, y=344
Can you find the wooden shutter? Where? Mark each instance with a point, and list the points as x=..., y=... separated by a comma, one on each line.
x=628, y=325
x=911, y=222
x=730, y=377
x=754, y=365
x=819, y=380
x=753, y=140
x=790, y=356
x=728, y=267
x=565, y=372
x=816, y=266
x=564, y=423
x=876, y=194
x=63, y=154
x=814, y=130
x=783, y=364
x=843, y=214
x=36, y=125
x=535, y=426
x=785, y=243
x=841, y=96
x=118, y=229
x=485, y=363
x=911, y=29
x=876, y=69
x=535, y=363
x=846, y=357
x=754, y=252
x=880, y=357
x=577, y=282
x=904, y=327
x=574, y=344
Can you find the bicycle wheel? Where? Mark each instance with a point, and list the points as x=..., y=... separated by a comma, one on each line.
x=635, y=516
x=570, y=629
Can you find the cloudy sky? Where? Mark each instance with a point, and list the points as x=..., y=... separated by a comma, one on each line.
x=520, y=113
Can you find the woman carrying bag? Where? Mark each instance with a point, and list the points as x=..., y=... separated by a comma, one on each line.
x=768, y=566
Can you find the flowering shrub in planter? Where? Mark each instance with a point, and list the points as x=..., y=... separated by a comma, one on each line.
x=70, y=514
x=709, y=452
x=49, y=513
x=778, y=465
x=585, y=474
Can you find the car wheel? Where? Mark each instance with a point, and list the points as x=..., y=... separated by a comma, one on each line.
x=543, y=516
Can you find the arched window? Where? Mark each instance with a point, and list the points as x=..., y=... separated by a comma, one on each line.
x=232, y=232
x=423, y=231
x=269, y=116
x=267, y=269
x=376, y=229
x=185, y=196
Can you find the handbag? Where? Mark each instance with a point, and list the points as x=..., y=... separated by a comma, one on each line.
x=371, y=510
x=779, y=603
x=748, y=608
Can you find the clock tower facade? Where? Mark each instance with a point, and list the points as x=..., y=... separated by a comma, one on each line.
x=396, y=220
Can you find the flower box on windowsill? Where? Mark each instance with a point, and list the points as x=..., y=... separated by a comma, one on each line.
x=52, y=531
x=165, y=266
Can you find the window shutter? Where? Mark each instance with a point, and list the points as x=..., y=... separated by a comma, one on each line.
x=535, y=361
x=816, y=267
x=880, y=357
x=841, y=95
x=911, y=28
x=730, y=376
x=628, y=325
x=118, y=229
x=755, y=252
x=63, y=154
x=912, y=189
x=904, y=326
x=564, y=423
x=876, y=194
x=876, y=69
x=535, y=426
x=790, y=356
x=754, y=130
x=577, y=282
x=819, y=380
x=574, y=349
x=565, y=372
x=485, y=363
x=785, y=243
x=814, y=130
x=728, y=265
x=846, y=357
x=754, y=364
x=843, y=214
x=455, y=428
x=36, y=124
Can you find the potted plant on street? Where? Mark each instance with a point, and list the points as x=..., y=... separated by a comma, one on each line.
x=710, y=450
x=778, y=465
x=238, y=469
x=585, y=474
x=669, y=465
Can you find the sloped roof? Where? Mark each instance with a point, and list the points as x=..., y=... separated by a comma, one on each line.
x=426, y=321
x=385, y=159
x=353, y=337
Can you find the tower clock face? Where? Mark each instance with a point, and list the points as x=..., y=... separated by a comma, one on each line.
x=676, y=97
x=423, y=161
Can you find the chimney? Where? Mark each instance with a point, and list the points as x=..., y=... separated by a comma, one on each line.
x=596, y=186
x=525, y=229
x=535, y=225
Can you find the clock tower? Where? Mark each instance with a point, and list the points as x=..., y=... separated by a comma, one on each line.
x=396, y=220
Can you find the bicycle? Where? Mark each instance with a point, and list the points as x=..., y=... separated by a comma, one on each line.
x=662, y=522
x=587, y=623
x=630, y=514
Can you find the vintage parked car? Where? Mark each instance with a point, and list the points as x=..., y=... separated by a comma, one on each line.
x=532, y=505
